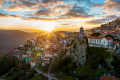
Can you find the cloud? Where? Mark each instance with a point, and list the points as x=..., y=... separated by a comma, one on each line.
x=45, y=19
x=43, y=13
x=50, y=9
x=112, y=6
x=98, y=21
x=97, y=5
x=112, y=16
x=1, y=3
x=104, y=19
x=2, y=15
x=78, y=12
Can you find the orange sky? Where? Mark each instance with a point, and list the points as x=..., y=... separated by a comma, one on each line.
x=57, y=14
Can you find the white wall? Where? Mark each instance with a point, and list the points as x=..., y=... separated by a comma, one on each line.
x=104, y=42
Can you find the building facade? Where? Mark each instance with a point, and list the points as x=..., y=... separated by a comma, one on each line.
x=105, y=42
x=81, y=34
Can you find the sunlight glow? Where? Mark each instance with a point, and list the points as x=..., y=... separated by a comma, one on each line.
x=48, y=26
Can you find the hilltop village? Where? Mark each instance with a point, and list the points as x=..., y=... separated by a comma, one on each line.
x=45, y=47
x=74, y=51
x=48, y=45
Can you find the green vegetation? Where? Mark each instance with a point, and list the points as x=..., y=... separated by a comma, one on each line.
x=98, y=63
x=96, y=56
x=109, y=36
x=43, y=68
x=84, y=71
x=39, y=77
x=68, y=78
x=6, y=64
x=95, y=34
x=116, y=64
x=13, y=69
x=65, y=65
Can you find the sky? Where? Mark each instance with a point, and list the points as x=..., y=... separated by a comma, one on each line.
x=57, y=14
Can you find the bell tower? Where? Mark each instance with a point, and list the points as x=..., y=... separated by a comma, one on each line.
x=81, y=33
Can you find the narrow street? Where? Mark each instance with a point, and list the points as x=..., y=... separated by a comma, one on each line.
x=45, y=74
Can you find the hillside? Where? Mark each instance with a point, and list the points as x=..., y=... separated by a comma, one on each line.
x=10, y=39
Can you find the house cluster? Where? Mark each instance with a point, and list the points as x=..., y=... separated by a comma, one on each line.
x=43, y=48
x=105, y=42
x=111, y=28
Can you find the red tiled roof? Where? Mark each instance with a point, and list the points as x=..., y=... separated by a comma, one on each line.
x=11, y=53
x=33, y=60
x=49, y=53
x=108, y=38
x=108, y=78
x=94, y=37
x=116, y=42
x=24, y=54
x=46, y=57
x=118, y=26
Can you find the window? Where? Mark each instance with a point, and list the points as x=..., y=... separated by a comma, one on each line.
x=83, y=56
x=99, y=41
x=104, y=42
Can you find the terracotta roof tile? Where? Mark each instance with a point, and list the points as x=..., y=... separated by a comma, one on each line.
x=49, y=53
x=94, y=37
x=108, y=78
x=116, y=42
x=108, y=38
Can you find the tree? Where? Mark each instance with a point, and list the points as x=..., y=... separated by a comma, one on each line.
x=84, y=72
x=116, y=65
x=100, y=72
x=31, y=73
x=109, y=36
x=65, y=64
x=95, y=34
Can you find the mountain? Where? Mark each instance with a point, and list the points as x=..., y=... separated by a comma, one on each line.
x=10, y=39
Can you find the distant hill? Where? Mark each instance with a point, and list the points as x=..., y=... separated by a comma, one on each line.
x=10, y=39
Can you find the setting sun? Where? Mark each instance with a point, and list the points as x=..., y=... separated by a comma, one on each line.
x=48, y=26
x=49, y=29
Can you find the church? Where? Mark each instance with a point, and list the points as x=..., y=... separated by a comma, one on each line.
x=81, y=32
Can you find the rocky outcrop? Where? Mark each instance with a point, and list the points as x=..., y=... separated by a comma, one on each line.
x=78, y=50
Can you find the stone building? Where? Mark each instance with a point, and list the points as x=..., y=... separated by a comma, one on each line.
x=81, y=33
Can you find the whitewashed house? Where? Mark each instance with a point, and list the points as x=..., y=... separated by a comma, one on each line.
x=116, y=44
x=46, y=58
x=32, y=41
x=105, y=42
x=29, y=52
x=32, y=63
x=21, y=46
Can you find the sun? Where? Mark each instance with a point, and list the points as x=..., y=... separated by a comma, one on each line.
x=49, y=29
x=48, y=26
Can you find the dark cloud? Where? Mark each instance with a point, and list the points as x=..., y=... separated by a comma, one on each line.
x=56, y=9
x=37, y=18
x=78, y=12
x=98, y=21
x=112, y=5
x=97, y=5
x=43, y=13
x=2, y=15
x=1, y=3
x=112, y=16
x=29, y=3
x=103, y=20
